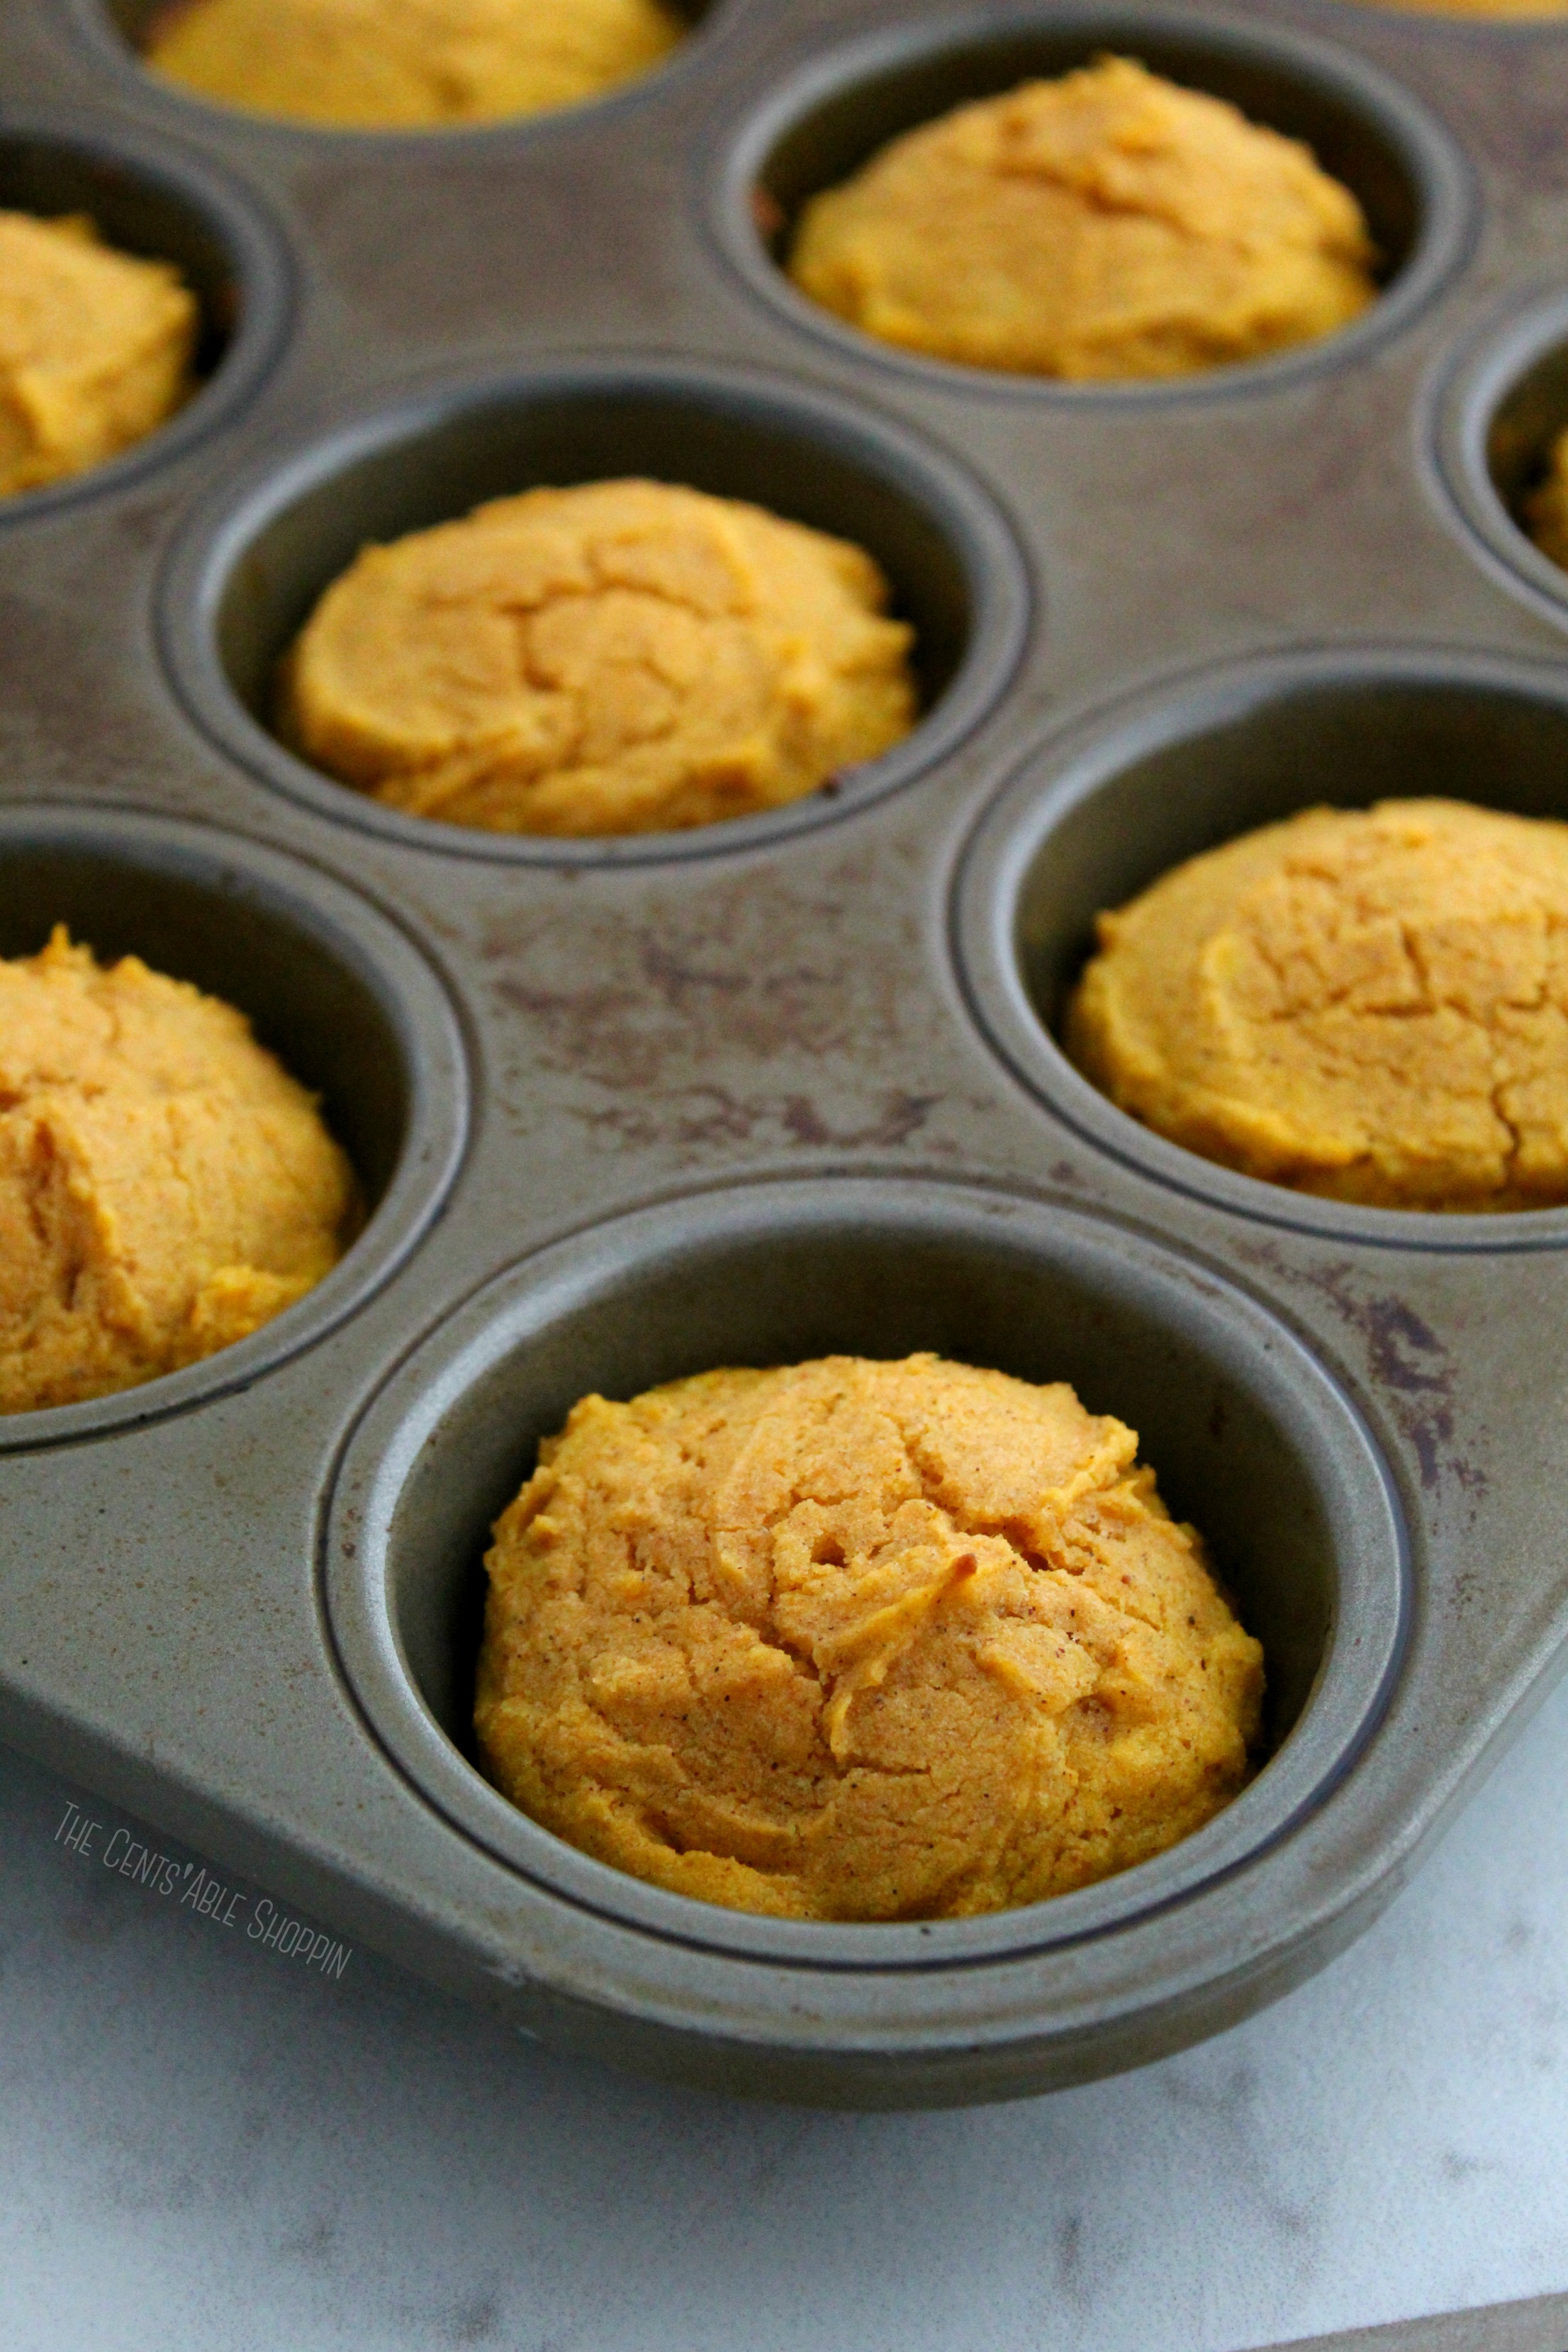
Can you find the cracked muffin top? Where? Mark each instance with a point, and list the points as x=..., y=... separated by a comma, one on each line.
x=1107, y=224
x=96, y=349
x=858, y=1641
x=165, y=1186
x=621, y=656
x=1369, y=1005
x=388, y=65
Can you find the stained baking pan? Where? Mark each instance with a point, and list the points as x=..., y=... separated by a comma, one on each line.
x=624, y=1109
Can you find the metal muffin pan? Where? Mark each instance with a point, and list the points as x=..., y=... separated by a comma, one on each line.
x=328, y=984
x=624, y=1109
x=1496, y=411
x=1089, y=824
x=149, y=196
x=118, y=30
x=818, y=126
x=247, y=573
x=1245, y=1425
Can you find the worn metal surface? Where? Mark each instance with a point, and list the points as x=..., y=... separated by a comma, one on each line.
x=617, y=1062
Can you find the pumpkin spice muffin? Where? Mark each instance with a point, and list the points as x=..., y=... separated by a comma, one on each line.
x=858, y=1641
x=1107, y=224
x=388, y=65
x=165, y=1187
x=621, y=657
x=96, y=349
x=1546, y=507
x=1368, y=1005
x=1507, y=8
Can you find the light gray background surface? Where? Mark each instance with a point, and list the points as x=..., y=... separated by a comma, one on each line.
x=204, y=2149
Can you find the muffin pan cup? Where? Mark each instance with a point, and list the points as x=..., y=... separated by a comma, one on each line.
x=1300, y=1504
x=328, y=984
x=249, y=570
x=814, y=130
x=153, y=197
x=625, y=1109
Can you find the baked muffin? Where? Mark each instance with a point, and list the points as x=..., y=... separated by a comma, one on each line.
x=389, y=65
x=1514, y=8
x=1108, y=224
x=165, y=1187
x=858, y=1641
x=621, y=657
x=1546, y=507
x=96, y=349
x=1369, y=1005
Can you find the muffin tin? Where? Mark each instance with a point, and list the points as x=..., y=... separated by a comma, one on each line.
x=624, y=1109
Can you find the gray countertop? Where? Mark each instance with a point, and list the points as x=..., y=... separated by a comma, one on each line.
x=207, y=2143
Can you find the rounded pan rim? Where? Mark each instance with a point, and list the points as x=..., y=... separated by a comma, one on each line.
x=1065, y=770
x=1463, y=396
x=267, y=287
x=1435, y=161
x=195, y=113
x=350, y=928
x=1353, y=1683
x=190, y=590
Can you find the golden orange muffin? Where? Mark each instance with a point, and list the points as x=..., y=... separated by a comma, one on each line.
x=1109, y=224
x=1371, y=1005
x=386, y=65
x=165, y=1187
x=95, y=349
x=858, y=1641
x=1515, y=8
x=621, y=657
x=1546, y=507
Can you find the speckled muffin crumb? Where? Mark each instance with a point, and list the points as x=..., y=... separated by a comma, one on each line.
x=384, y=65
x=623, y=656
x=1107, y=224
x=1367, y=1004
x=858, y=1641
x=165, y=1187
x=96, y=349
